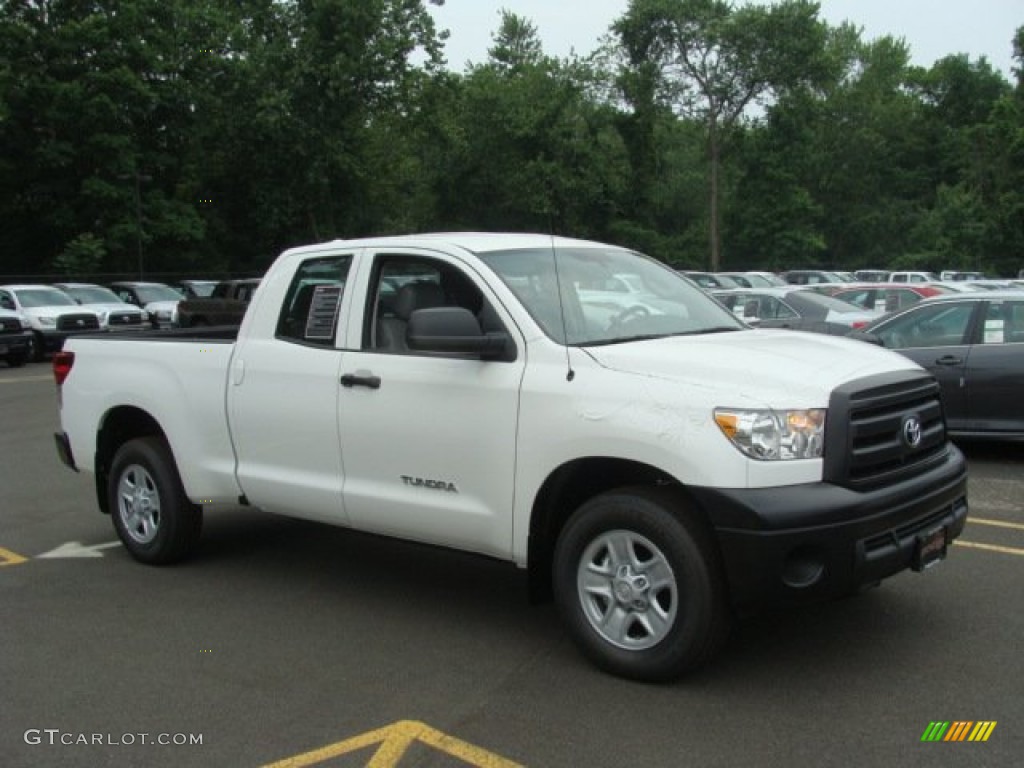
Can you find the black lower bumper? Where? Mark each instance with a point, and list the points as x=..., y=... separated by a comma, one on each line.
x=816, y=541
x=15, y=343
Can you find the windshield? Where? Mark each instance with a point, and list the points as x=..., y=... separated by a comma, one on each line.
x=43, y=297
x=659, y=301
x=151, y=293
x=92, y=294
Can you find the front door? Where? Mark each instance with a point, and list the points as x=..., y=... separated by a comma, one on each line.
x=430, y=439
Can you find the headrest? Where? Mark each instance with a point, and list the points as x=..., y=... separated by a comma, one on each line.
x=418, y=295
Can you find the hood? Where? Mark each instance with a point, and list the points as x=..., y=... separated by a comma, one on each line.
x=111, y=306
x=57, y=310
x=772, y=367
x=155, y=306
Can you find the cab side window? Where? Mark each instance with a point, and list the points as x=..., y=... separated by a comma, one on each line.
x=309, y=313
x=401, y=285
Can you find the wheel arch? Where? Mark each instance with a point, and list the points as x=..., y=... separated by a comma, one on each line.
x=119, y=425
x=569, y=486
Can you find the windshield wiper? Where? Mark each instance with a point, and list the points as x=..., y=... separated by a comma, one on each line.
x=624, y=339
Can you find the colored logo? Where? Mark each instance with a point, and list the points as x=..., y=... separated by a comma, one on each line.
x=965, y=730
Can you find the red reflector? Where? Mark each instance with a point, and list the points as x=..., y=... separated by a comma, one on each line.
x=856, y=324
x=62, y=362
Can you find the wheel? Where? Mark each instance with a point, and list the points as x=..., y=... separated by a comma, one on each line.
x=37, y=348
x=153, y=517
x=17, y=359
x=639, y=585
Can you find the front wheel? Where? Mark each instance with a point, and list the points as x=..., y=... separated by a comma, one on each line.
x=639, y=585
x=153, y=517
x=37, y=347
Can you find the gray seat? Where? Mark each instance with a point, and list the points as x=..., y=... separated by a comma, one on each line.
x=410, y=297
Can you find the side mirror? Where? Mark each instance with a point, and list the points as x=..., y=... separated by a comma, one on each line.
x=455, y=330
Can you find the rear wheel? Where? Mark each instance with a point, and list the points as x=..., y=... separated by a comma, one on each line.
x=153, y=517
x=639, y=585
x=16, y=359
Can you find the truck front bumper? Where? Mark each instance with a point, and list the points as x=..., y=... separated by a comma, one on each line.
x=817, y=541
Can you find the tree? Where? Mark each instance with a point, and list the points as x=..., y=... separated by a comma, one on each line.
x=714, y=61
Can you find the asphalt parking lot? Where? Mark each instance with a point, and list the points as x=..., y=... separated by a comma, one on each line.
x=288, y=643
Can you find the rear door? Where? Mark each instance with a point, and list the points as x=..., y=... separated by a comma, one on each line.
x=430, y=439
x=283, y=391
x=995, y=369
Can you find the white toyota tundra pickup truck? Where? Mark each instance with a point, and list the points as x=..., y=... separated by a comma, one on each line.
x=655, y=465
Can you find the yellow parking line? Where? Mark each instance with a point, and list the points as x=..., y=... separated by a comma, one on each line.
x=997, y=523
x=10, y=558
x=393, y=742
x=990, y=547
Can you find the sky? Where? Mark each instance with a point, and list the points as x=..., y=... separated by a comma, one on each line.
x=932, y=29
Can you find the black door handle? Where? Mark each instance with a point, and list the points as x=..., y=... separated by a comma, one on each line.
x=355, y=380
x=949, y=360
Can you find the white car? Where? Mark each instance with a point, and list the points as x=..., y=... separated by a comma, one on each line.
x=114, y=313
x=51, y=314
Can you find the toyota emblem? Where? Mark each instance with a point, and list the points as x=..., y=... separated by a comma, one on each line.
x=912, y=431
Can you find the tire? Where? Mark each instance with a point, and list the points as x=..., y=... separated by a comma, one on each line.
x=153, y=517
x=16, y=359
x=639, y=585
x=37, y=348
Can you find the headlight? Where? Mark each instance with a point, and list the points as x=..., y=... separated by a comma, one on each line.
x=48, y=321
x=771, y=435
x=162, y=314
x=25, y=324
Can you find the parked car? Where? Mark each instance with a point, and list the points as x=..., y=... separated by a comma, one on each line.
x=225, y=306
x=192, y=289
x=51, y=314
x=811, y=277
x=872, y=275
x=114, y=312
x=973, y=343
x=914, y=277
x=710, y=280
x=656, y=475
x=753, y=279
x=799, y=309
x=16, y=343
x=159, y=300
x=887, y=297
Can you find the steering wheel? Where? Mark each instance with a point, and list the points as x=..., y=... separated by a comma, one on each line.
x=629, y=313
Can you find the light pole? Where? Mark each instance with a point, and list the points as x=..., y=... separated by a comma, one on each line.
x=138, y=178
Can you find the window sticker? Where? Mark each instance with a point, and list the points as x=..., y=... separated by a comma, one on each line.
x=323, y=312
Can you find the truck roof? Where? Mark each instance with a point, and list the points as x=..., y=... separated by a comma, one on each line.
x=475, y=242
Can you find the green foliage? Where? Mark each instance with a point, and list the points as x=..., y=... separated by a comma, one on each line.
x=81, y=257
x=203, y=136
